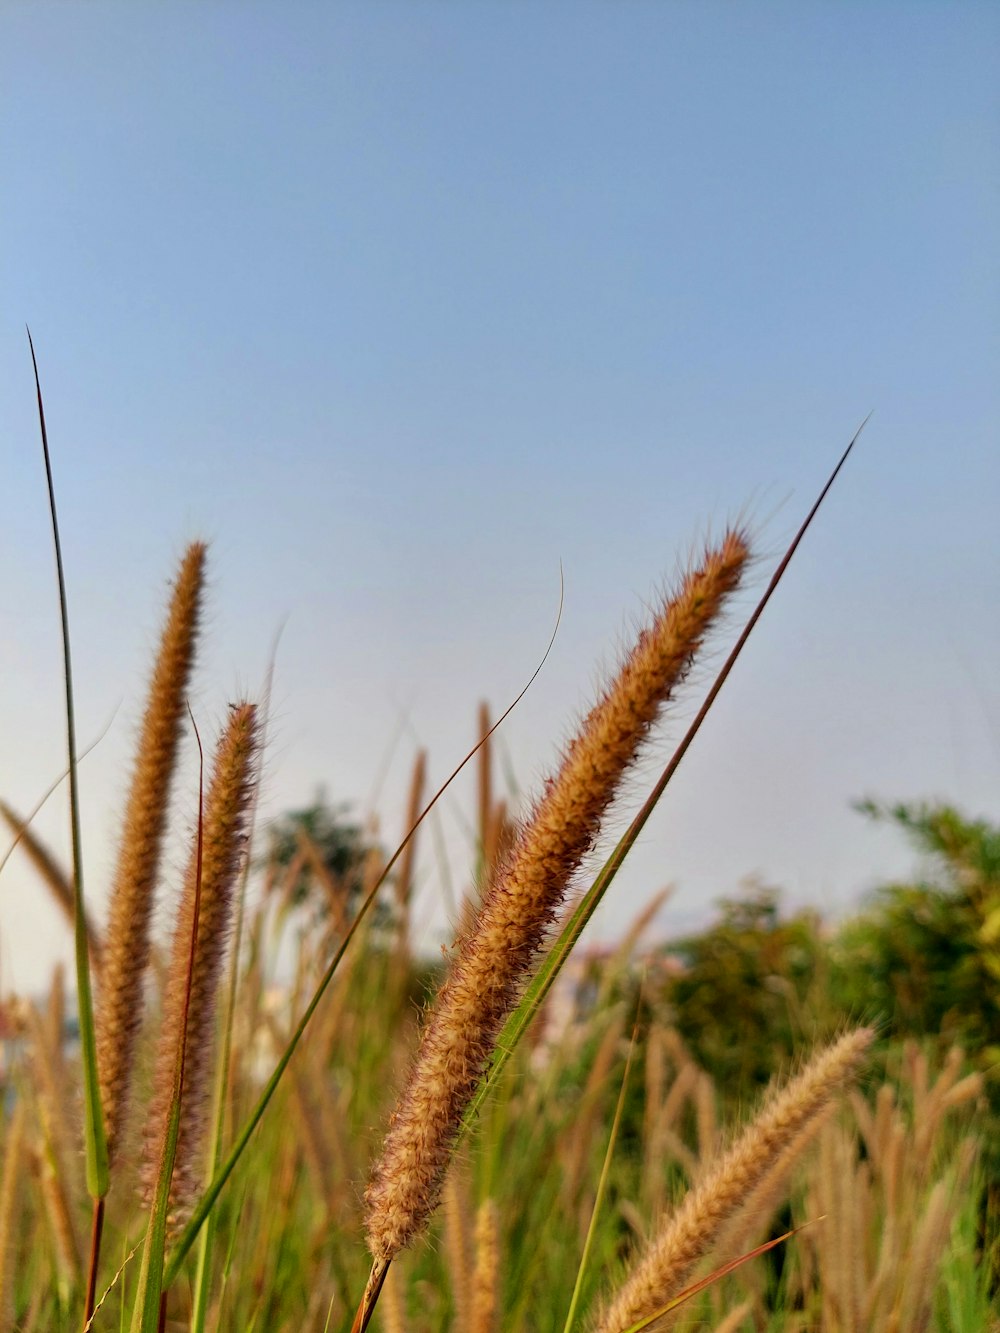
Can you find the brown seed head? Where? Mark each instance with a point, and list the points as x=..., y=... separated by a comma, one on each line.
x=522, y=901
x=691, y=1231
x=126, y=952
x=224, y=823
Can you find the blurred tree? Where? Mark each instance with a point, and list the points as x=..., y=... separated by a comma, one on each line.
x=319, y=858
x=925, y=955
x=925, y=958
x=745, y=995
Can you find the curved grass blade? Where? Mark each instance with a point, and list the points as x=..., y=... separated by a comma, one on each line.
x=119, y=1274
x=96, y=1143
x=54, y=876
x=551, y=964
x=53, y=788
x=207, y=1201
x=149, y=1297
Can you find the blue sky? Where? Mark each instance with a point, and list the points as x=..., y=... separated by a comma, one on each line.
x=403, y=305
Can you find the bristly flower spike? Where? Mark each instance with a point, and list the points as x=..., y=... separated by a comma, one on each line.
x=127, y=942
x=496, y=955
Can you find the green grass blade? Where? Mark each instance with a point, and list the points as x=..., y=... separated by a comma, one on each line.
x=551, y=964
x=96, y=1145
x=207, y=1200
x=602, y=1184
x=146, y=1311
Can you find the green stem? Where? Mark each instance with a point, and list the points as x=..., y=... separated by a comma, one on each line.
x=98, y=1177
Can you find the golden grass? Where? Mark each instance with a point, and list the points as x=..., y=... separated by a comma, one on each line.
x=486, y=1273
x=888, y=1278
x=691, y=1232
x=10, y=1206
x=522, y=901
x=205, y=912
x=120, y=1007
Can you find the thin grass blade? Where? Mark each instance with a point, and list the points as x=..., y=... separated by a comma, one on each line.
x=715, y=1276
x=96, y=1145
x=602, y=1184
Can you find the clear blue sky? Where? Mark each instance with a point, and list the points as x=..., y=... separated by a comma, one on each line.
x=401, y=305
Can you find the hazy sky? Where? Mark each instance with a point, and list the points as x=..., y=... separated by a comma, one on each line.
x=402, y=305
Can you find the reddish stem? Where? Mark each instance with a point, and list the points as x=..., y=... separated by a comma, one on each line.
x=97, y=1227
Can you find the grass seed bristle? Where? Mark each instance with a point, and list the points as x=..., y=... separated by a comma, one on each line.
x=522, y=901
x=224, y=825
x=119, y=1008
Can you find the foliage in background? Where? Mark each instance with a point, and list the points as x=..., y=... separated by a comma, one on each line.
x=925, y=955
x=921, y=959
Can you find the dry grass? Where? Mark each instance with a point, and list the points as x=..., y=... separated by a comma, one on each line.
x=119, y=1009
x=201, y=933
x=781, y=1125
x=522, y=901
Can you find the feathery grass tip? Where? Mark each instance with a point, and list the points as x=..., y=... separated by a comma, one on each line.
x=496, y=955
x=119, y=1008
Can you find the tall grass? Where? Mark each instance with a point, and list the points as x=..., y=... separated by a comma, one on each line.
x=555, y=1196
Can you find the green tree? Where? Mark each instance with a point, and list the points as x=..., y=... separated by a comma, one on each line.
x=319, y=858
x=925, y=958
x=744, y=998
x=925, y=955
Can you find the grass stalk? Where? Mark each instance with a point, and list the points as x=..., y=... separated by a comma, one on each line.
x=486, y=1270
x=602, y=1184
x=149, y=1309
x=120, y=1007
x=522, y=901
x=96, y=1146
x=10, y=1205
x=203, y=1269
x=190, y=1001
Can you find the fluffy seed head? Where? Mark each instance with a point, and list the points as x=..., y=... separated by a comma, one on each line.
x=224, y=823
x=691, y=1231
x=523, y=898
x=126, y=952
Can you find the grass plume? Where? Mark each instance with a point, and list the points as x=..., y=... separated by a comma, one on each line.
x=194, y=971
x=691, y=1231
x=522, y=901
x=119, y=1006
x=901, y=1180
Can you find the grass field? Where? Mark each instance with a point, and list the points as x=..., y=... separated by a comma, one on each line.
x=495, y=1142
